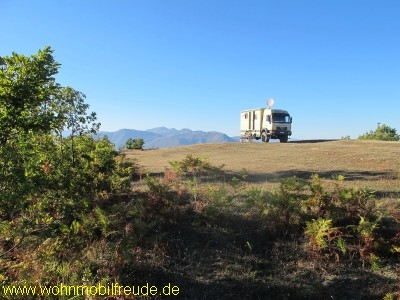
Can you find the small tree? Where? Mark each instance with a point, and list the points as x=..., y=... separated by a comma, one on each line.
x=28, y=90
x=136, y=144
x=383, y=132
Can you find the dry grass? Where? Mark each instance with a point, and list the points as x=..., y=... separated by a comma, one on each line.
x=371, y=164
x=229, y=254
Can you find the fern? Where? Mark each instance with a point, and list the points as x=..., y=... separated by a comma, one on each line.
x=102, y=220
x=317, y=231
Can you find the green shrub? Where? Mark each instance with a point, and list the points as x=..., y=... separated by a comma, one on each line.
x=383, y=132
x=198, y=167
x=52, y=186
x=284, y=206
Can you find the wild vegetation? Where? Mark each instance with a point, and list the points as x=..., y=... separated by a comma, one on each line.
x=301, y=221
x=286, y=225
x=52, y=186
x=382, y=132
x=136, y=144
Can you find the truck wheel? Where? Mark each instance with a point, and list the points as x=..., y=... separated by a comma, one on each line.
x=264, y=137
x=283, y=139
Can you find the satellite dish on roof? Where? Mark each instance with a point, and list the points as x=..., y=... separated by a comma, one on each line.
x=270, y=102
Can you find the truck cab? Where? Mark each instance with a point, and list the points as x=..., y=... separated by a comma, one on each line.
x=277, y=124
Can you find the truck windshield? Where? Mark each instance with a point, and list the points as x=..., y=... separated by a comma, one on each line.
x=280, y=118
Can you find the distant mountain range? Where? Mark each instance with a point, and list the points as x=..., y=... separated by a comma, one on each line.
x=162, y=137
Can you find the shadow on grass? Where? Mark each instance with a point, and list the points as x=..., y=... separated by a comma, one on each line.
x=312, y=141
x=349, y=175
x=227, y=176
x=228, y=256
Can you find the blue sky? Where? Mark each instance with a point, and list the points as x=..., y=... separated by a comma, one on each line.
x=334, y=65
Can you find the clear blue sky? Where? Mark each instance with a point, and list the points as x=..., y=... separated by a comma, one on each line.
x=334, y=65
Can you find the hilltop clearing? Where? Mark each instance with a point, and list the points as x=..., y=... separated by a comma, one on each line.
x=278, y=221
x=363, y=163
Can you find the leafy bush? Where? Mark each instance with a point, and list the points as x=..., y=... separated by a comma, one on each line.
x=383, y=132
x=52, y=186
x=196, y=167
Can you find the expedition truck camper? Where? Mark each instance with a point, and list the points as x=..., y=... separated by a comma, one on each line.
x=266, y=124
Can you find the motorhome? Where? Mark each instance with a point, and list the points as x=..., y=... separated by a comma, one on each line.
x=265, y=124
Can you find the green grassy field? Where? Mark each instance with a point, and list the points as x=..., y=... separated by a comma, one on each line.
x=216, y=245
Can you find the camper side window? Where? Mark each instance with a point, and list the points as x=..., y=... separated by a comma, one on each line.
x=246, y=115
